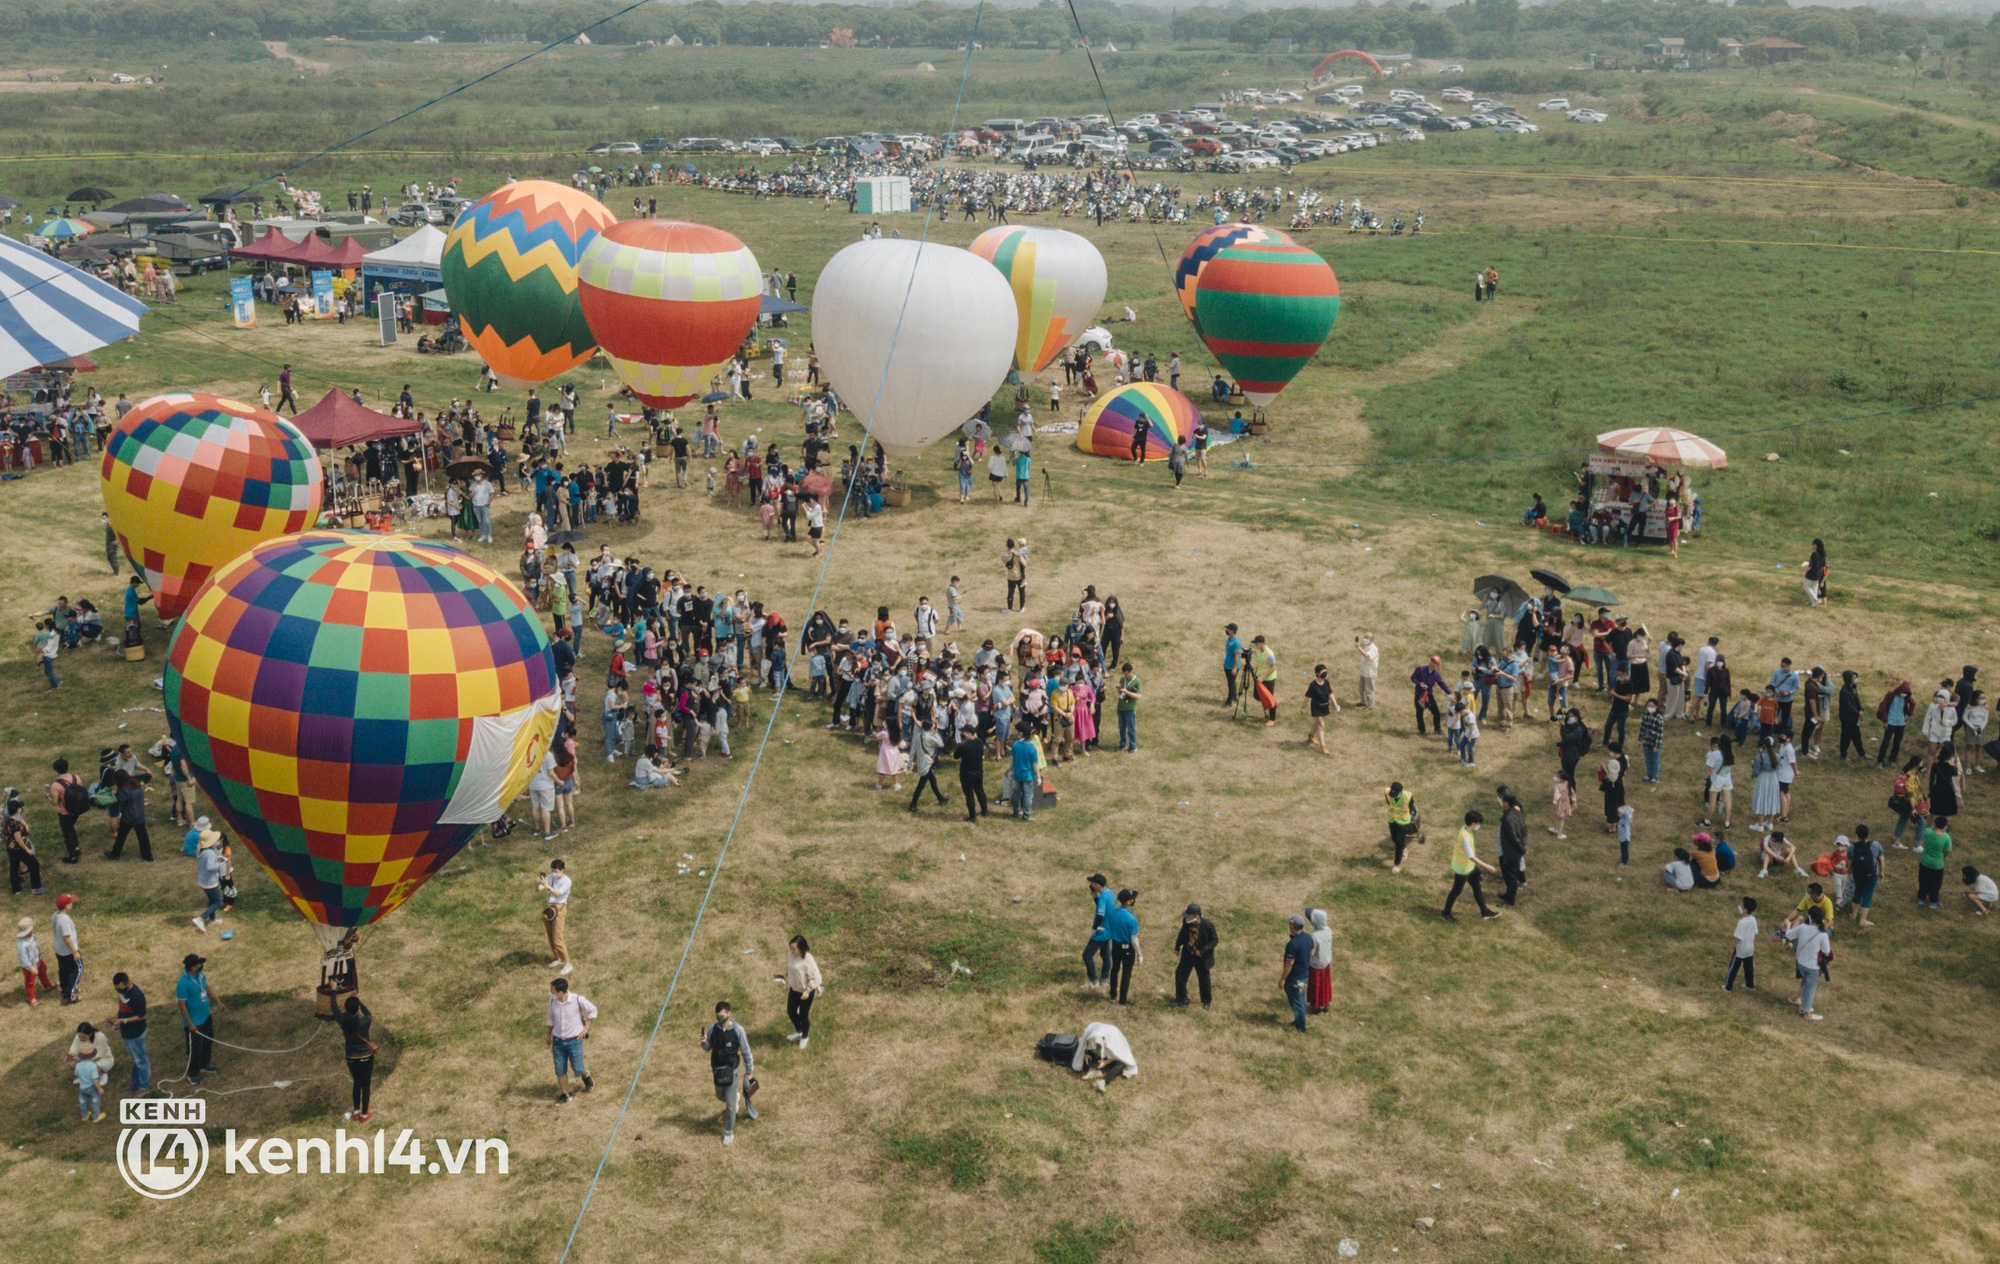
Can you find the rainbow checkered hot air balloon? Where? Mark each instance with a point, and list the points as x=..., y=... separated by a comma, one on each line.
x=510, y=276
x=668, y=302
x=1108, y=426
x=191, y=480
x=1058, y=281
x=359, y=706
x=1206, y=245
x=1263, y=308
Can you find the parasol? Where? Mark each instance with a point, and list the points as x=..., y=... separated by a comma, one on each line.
x=715, y=397
x=1592, y=596
x=1512, y=595
x=1542, y=575
x=1663, y=445
x=567, y=537
x=466, y=466
x=49, y=309
x=91, y=193
x=63, y=229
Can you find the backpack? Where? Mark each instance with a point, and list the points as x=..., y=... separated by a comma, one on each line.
x=1056, y=1047
x=1823, y=865
x=75, y=798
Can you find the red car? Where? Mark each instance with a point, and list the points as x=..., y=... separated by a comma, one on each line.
x=1203, y=145
x=988, y=135
x=1201, y=129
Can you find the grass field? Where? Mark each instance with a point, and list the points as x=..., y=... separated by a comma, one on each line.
x=1566, y=1083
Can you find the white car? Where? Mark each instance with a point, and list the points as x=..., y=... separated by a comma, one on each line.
x=1259, y=158
x=1587, y=116
x=121, y=78
x=1454, y=70
x=1412, y=133
x=1516, y=127
x=1457, y=96
x=1097, y=338
x=762, y=145
x=1554, y=103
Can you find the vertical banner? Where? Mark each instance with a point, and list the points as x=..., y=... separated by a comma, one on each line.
x=322, y=292
x=386, y=302
x=242, y=302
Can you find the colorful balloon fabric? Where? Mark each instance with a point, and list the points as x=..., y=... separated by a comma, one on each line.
x=1263, y=308
x=668, y=302
x=1206, y=245
x=510, y=276
x=358, y=706
x=1109, y=424
x=191, y=480
x=1058, y=280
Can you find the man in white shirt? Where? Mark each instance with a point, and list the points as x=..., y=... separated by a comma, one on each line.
x=1371, y=662
x=1743, y=954
x=1809, y=939
x=925, y=619
x=570, y=1017
x=482, y=506
x=557, y=883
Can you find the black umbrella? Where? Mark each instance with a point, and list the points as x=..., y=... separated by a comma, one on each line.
x=1511, y=594
x=223, y=196
x=1544, y=576
x=91, y=193
x=151, y=204
x=467, y=466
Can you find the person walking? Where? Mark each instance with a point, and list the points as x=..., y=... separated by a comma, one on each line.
x=1097, y=949
x=1402, y=822
x=48, y=643
x=20, y=849
x=208, y=876
x=1195, y=946
x=1864, y=864
x=1129, y=690
x=1298, y=969
x=555, y=913
x=1466, y=866
x=69, y=955
x=1264, y=670
x=1123, y=925
x=733, y=1068
x=1743, y=952
x=971, y=754
x=1319, y=702
x=570, y=1015
x=802, y=986
x=198, y=1007
x=131, y=810
x=354, y=1020
x=1930, y=865
x=1513, y=843
x=1426, y=682
x=71, y=799
x=925, y=745
x=1015, y=563
x=1024, y=772
x=1319, y=982
x=1849, y=711
x=285, y=395
x=131, y=1023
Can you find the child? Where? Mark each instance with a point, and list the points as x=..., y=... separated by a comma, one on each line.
x=711, y=482
x=89, y=1096
x=1775, y=848
x=1564, y=805
x=1744, y=955
x=29, y=951
x=1468, y=737
x=1454, y=727
x=767, y=513
x=955, y=617
x=1625, y=835
x=1843, y=873
x=1979, y=888
x=888, y=760
x=1974, y=719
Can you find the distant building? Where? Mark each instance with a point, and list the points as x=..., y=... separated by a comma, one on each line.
x=1777, y=50
x=1664, y=50
x=1730, y=47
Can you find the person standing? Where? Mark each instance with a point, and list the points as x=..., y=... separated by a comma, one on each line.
x=1319, y=981
x=1864, y=861
x=208, y=876
x=1195, y=945
x=925, y=744
x=285, y=395
x=1371, y=662
x=113, y=550
x=131, y=809
x=1123, y=925
x=1319, y=701
x=69, y=956
x=1466, y=866
x=732, y=1067
x=1743, y=955
x=1930, y=866
x=802, y=986
x=1232, y=657
x=1426, y=682
x=1849, y=708
x=28, y=954
x=71, y=799
x=354, y=1021
x=1809, y=941
x=1298, y=970
x=1264, y=669
x=1513, y=843
x=482, y=506
x=197, y=1006
x=48, y=643
x=971, y=753
x=555, y=913
x=1016, y=566
x=20, y=849
x=569, y=1018
x=131, y=1023
x=1024, y=768
x=1652, y=736
x=1097, y=949
x=1129, y=691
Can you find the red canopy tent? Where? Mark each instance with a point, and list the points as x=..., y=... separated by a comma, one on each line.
x=314, y=252
x=338, y=422
x=272, y=247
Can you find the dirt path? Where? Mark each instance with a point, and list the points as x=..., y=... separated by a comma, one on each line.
x=281, y=49
x=1950, y=120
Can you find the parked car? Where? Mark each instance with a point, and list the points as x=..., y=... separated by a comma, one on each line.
x=1412, y=133
x=655, y=145
x=1554, y=103
x=1454, y=70
x=601, y=147
x=762, y=145
x=411, y=214
x=1457, y=96
x=1516, y=128
x=1097, y=338
x=1205, y=146
x=1587, y=116
x=831, y=145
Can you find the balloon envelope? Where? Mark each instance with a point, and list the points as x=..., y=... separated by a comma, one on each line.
x=1206, y=245
x=1263, y=308
x=191, y=480
x=1058, y=281
x=1109, y=423
x=668, y=302
x=510, y=276
x=913, y=375
x=359, y=706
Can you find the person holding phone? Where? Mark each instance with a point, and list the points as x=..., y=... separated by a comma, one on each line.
x=732, y=1066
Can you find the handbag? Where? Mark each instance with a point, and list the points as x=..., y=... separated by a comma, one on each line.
x=229, y=890
x=750, y=1087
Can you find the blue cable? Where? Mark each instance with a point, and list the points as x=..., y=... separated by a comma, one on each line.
x=770, y=724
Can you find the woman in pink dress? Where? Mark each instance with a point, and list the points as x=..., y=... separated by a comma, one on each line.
x=1086, y=715
x=888, y=760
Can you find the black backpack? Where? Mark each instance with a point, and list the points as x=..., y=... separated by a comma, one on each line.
x=75, y=798
x=1057, y=1047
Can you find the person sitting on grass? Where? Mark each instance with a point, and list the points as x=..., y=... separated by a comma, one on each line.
x=1707, y=868
x=1981, y=890
x=653, y=769
x=1679, y=873
x=1776, y=849
x=1103, y=1055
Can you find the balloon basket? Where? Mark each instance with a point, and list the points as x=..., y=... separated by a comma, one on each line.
x=338, y=980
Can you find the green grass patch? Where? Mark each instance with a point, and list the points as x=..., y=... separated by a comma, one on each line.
x=962, y=1153
x=1260, y=1195
x=1070, y=1243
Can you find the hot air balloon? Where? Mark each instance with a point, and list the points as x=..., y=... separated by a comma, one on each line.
x=1109, y=424
x=668, y=302
x=358, y=706
x=1263, y=308
x=191, y=480
x=510, y=276
x=1058, y=282
x=1206, y=245
x=951, y=344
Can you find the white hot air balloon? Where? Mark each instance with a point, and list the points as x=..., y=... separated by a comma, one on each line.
x=953, y=349
x=1058, y=281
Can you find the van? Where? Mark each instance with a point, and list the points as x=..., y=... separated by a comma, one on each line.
x=1004, y=125
x=1212, y=108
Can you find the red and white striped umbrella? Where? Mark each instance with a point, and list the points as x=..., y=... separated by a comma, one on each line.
x=1663, y=445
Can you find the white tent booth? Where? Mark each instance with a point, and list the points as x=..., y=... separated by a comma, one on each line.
x=412, y=267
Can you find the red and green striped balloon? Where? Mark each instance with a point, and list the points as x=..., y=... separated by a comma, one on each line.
x=1264, y=307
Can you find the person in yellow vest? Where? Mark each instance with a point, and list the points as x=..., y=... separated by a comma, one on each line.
x=1264, y=666
x=1466, y=866
x=1403, y=824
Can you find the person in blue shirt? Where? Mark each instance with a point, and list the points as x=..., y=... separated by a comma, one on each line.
x=1298, y=968
x=1025, y=758
x=133, y=599
x=1097, y=952
x=1232, y=655
x=197, y=1020
x=1123, y=924
x=1785, y=683
x=1021, y=477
